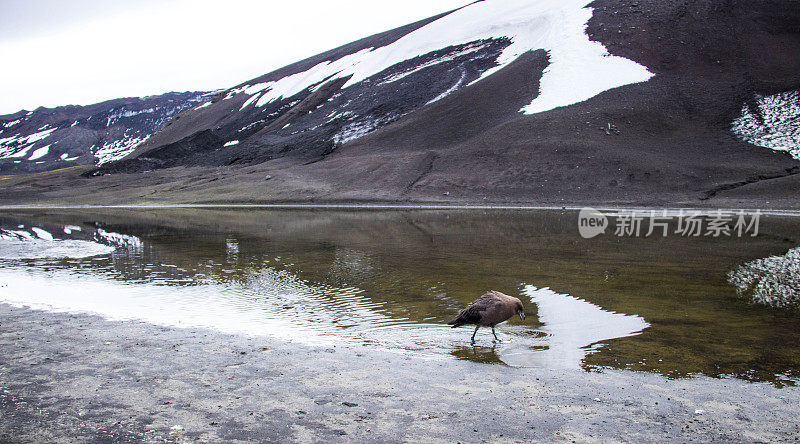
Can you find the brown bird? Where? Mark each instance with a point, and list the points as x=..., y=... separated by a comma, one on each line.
x=489, y=310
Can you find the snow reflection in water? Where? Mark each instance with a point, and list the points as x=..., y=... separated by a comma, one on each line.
x=573, y=329
x=39, y=244
x=274, y=302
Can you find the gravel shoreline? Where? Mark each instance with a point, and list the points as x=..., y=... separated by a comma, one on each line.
x=79, y=378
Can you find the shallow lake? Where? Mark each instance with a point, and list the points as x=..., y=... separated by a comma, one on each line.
x=393, y=278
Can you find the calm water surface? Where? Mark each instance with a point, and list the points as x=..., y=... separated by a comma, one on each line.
x=391, y=279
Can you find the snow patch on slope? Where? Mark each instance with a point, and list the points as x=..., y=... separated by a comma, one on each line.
x=115, y=115
x=12, y=123
x=579, y=68
x=774, y=122
x=451, y=90
x=468, y=50
x=361, y=128
x=39, y=152
x=21, y=153
x=249, y=101
x=18, y=145
x=772, y=281
x=117, y=149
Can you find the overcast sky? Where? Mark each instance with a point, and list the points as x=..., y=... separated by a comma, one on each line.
x=58, y=52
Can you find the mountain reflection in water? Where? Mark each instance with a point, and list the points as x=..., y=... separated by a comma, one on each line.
x=391, y=279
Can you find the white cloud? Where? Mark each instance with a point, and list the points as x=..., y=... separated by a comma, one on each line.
x=185, y=45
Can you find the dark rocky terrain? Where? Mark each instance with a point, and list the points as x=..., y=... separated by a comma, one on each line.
x=51, y=138
x=716, y=124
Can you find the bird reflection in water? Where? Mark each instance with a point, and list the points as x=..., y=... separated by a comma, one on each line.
x=480, y=354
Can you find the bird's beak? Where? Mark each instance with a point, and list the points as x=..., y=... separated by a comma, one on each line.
x=522, y=315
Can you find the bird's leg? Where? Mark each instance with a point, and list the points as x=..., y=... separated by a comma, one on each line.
x=473, y=333
x=495, y=335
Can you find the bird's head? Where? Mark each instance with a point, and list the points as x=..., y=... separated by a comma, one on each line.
x=520, y=310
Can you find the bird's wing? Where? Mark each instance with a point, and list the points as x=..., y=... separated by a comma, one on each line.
x=474, y=312
x=470, y=315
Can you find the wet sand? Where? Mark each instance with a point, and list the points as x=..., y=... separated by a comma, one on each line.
x=80, y=378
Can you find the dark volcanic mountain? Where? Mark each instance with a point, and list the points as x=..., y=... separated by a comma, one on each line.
x=549, y=101
x=47, y=139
